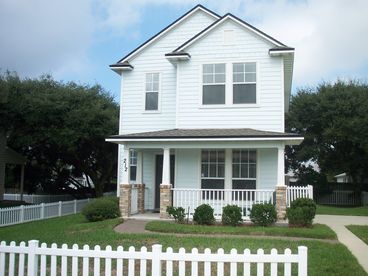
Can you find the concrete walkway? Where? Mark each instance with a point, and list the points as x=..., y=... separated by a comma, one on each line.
x=355, y=245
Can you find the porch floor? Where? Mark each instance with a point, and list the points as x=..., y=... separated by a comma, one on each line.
x=146, y=216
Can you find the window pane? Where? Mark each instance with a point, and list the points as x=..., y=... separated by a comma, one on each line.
x=133, y=173
x=244, y=93
x=221, y=156
x=155, y=77
x=204, y=170
x=149, y=86
x=214, y=94
x=238, y=77
x=155, y=86
x=148, y=77
x=236, y=171
x=219, y=68
x=244, y=156
x=208, y=68
x=238, y=67
x=236, y=156
x=207, y=78
x=250, y=67
x=252, y=171
x=244, y=171
x=250, y=77
x=244, y=184
x=219, y=78
x=205, y=156
x=213, y=170
x=212, y=184
x=151, y=101
x=252, y=156
x=221, y=170
x=213, y=156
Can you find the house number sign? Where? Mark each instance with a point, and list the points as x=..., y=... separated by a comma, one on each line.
x=125, y=165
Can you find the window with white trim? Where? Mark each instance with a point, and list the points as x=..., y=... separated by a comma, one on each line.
x=133, y=164
x=244, y=169
x=213, y=169
x=152, y=91
x=244, y=83
x=213, y=79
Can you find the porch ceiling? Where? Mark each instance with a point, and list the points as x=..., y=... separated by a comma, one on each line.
x=199, y=138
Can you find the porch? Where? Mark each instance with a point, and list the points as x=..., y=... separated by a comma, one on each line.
x=186, y=168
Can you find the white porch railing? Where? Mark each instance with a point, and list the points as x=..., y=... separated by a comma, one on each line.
x=294, y=192
x=42, y=260
x=219, y=198
x=20, y=214
x=134, y=201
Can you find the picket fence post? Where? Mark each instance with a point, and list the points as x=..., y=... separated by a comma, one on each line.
x=75, y=206
x=60, y=208
x=21, y=215
x=32, y=267
x=156, y=259
x=42, y=210
x=303, y=261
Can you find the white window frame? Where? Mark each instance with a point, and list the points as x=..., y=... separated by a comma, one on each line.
x=209, y=84
x=209, y=163
x=244, y=82
x=159, y=92
x=229, y=86
x=240, y=163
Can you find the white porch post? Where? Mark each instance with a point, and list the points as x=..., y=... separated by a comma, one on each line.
x=280, y=186
x=165, y=187
x=125, y=178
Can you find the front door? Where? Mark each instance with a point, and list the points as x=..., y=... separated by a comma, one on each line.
x=158, y=179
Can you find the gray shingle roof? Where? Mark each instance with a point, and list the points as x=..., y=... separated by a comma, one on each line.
x=205, y=133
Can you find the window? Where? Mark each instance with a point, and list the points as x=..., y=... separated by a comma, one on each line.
x=213, y=169
x=152, y=90
x=133, y=164
x=244, y=169
x=213, y=84
x=244, y=83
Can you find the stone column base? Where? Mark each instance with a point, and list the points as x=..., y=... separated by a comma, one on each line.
x=125, y=200
x=165, y=199
x=141, y=193
x=281, y=202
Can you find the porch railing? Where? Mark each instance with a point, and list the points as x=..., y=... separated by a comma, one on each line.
x=190, y=199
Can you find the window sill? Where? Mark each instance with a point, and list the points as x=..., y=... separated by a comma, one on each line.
x=151, y=112
x=223, y=106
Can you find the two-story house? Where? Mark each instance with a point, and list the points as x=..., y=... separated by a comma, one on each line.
x=202, y=116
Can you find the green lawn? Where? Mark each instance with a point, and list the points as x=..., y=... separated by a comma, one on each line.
x=361, y=231
x=343, y=211
x=324, y=258
x=318, y=231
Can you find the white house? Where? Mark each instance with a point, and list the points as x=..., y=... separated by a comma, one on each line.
x=202, y=116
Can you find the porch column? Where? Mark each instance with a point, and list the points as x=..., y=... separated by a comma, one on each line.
x=280, y=186
x=139, y=181
x=165, y=187
x=125, y=187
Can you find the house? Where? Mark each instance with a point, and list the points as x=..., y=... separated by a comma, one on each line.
x=202, y=116
x=343, y=178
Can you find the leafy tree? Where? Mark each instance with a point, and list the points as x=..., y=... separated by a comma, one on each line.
x=61, y=129
x=333, y=119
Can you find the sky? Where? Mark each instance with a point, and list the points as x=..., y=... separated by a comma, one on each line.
x=77, y=40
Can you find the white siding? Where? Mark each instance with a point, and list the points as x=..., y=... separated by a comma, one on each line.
x=267, y=162
x=268, y=115
x=187, y=168
x=132, y=115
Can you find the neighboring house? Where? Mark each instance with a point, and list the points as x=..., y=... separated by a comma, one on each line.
x=203, y=106
x=343, y=178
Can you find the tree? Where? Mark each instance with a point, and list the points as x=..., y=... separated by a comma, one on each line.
x=61, y=129
x=334, y=121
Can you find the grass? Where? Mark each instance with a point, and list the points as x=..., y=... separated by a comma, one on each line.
x=324, y=258
x=318, y=231
x=342, y=211
x=361, y=231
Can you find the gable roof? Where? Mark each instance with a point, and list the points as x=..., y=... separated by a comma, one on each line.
x=239, y=21
x=164, y=31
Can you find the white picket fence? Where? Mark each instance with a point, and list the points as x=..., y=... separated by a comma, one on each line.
x=20, y=214
x=189, y=199
x=37, y=199
x=41, y=260
x=294, y=192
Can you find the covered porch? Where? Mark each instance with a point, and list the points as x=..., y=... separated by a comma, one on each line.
x=187, y=168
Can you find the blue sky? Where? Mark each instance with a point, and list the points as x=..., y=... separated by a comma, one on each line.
x=77, y=40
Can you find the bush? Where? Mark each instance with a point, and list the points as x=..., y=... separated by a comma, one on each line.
x=263, y=214
x=178, y=213
x=101, y=209
x=231, y=215
x=301, y=212
x=203, y=214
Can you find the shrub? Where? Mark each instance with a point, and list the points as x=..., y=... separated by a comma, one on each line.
x=263, y=214
x=101, y=209
x=231, y=215
x=178, y=213
x=203, y=214
x=301, y=212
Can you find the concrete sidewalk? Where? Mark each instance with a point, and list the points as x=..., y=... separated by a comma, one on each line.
x=355, y=245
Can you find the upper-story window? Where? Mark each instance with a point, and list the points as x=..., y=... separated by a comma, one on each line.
x=214, y=79
x=244, y=83
x=152, y=91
